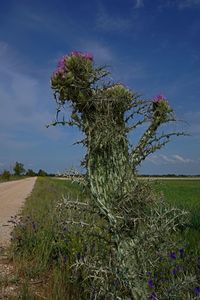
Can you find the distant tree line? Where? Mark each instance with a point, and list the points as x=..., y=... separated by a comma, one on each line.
x=168, y=175
x=20, y=171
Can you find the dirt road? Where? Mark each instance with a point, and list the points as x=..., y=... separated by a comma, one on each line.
x=12, y=197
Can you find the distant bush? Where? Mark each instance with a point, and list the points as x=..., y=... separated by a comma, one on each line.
x=30, y=172
x=5, y=175
x=18, y=169
x=42, y=173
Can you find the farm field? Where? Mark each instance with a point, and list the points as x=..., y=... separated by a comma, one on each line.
x=184, y=194
x=40, y=243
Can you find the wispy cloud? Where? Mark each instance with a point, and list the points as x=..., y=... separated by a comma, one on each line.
x=161, y=159
x=112, y=23
x=188, y=3
x=21, y=94
x=178, y=158
x=102, y=53
x=166, y=158
x=139, y=3
x=180, y=4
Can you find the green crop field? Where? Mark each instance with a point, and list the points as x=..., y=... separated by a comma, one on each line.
x=184, y=194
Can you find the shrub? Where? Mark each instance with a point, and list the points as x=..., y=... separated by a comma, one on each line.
x=5, y=175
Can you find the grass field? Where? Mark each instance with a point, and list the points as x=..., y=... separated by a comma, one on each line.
x=12, y=178
x=184, y=194
x=40, y=242
x=42, y=239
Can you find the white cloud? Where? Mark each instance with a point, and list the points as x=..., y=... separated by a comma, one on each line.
x=153, y=159
x=22, y=99
x=102, y=53
x=108, y=22
x=187, y=3
x=180, y=4
x=139, y=3
x=182, y=159
x=162, y=159
x=166, y=158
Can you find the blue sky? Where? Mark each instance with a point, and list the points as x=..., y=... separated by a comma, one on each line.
x=152, y=47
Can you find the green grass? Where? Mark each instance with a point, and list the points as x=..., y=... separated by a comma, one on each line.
x=12, y=178
x=42, y=242
x=184, y=194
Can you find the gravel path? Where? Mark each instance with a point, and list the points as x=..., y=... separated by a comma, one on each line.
x=12, y=197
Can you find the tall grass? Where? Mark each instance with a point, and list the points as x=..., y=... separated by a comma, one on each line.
x=12, y=178
x=40, y=243
x=44, y=246
x=184, y=194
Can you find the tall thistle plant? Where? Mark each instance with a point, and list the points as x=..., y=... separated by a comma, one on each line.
x=138, y=225
x=103, y=111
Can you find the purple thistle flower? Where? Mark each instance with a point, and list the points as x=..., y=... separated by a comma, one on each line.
x=158, y=99
x=75, y=53
x=197, y=291
x=150, y=283
x=86, y=55
x=61, y=63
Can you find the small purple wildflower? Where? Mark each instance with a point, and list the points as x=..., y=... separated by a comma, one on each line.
x=172, y=255
x=174, y=271
x=150, y=283
x=152, y=296
x=197, y=291
x=65, y=259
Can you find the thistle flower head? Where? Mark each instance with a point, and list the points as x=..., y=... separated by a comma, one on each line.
x=159, y=99
x=80, y=54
